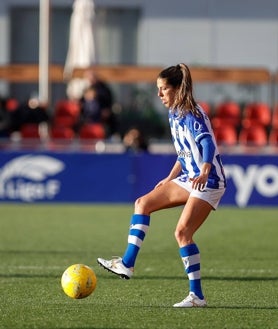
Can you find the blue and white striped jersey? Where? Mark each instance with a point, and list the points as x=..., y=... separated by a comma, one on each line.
x=186, y=134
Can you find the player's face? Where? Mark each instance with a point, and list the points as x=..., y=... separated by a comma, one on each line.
x=166, y=93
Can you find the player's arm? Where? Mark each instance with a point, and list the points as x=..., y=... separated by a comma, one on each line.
x=175, y=171
x=173, y=174
x=208, y=147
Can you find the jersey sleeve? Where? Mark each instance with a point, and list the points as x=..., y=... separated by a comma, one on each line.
x=197, y=127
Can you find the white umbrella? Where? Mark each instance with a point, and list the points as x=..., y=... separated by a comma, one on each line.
x=81, y=51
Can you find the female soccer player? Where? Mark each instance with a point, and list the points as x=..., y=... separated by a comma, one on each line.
x=196, y=181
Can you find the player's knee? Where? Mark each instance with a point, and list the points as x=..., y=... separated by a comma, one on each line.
x=177, y=234
x=182, y=236
x=140, y=206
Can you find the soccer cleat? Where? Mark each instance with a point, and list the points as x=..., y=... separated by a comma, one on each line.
x=191, y=301
x=117, y=267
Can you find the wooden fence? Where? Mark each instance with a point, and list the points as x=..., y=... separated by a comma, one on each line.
x=20, y=73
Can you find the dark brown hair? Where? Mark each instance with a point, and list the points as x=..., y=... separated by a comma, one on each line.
x=179, y=77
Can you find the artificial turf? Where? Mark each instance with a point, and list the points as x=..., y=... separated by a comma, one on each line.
x=239, y=267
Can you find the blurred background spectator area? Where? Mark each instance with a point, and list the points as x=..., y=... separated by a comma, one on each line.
x=237, y=127
x=235, y=75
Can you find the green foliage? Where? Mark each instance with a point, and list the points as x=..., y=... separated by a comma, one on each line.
x=38, y=242
x=142, y=114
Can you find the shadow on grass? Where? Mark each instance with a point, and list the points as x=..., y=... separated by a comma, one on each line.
x=114, y=277
x=245, y=278
x=179, y=309
x=209, y=278
x=243, y=307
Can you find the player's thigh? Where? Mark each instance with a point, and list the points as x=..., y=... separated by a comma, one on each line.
x=165, y=196
x=193, y=215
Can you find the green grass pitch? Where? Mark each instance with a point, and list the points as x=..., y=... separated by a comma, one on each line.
x=38, y=242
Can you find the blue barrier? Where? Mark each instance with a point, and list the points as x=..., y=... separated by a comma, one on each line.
x=82, y=177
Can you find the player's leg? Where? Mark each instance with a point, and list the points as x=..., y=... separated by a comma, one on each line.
x=168, y=195
x=194, y=214
x=165, y=196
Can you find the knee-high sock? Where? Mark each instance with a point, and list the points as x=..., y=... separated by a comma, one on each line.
x=190, y=256
x=139, y=225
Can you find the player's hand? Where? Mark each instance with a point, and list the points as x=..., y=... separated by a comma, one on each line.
x=199, y=182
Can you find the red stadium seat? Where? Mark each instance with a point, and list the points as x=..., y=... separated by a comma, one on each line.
x=67, y=107
x=227, y=113
x=274, y=121
x=256, y=114
x=273, y=137
x=66, y=113
x=92, y=131
x=12, y=104
x=59, y=132
x=253, y=136
x=206, y=107
x=30, y=130
x=226, y=136
x=64, y=121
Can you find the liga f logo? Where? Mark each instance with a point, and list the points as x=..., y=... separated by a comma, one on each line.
x=28, y=178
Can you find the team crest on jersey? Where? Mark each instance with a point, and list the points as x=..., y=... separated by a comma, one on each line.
x=197, y=126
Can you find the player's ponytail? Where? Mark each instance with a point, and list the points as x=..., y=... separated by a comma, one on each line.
x=179, y=77
x=185, y=92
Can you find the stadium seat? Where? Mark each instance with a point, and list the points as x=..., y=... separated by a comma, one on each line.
x=226, y=113
x=64, y=121
x=206, y=107
x=60, y=132
x=12, y=104
x=66, y=113
x=274, y=121
x=30, y=130
x=273, y=137
x=226, y=136
x=92, y=131
x=253, y=136
x=256, y=114
x=64, y=107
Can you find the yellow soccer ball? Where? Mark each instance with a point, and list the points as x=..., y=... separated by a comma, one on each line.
x=78, y=281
